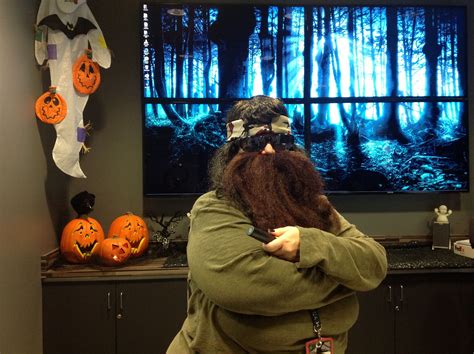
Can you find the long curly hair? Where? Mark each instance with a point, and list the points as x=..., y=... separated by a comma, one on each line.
x=273, y=190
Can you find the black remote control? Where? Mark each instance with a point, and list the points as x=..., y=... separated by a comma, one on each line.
x=260, y=234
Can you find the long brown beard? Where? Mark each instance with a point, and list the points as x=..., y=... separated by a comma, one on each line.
x=276, y=190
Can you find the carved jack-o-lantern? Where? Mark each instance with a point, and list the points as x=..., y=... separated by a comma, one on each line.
x=80, y=239
x=51, y=107
x=114, y=251
x=86, y=74
x=132, y=228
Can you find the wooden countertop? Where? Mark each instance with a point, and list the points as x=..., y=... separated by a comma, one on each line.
x=53, y=268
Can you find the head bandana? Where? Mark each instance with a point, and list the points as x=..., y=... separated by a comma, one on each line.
x=238, y=129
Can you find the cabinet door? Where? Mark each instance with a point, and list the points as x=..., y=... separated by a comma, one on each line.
x=435, y=314
x=374, y=329
x=78, y=318
x=467, y=307
x=149, y=314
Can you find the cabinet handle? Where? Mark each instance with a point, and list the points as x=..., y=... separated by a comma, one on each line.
x=120, y=312
x=121, y=301
x=109, y=306
x=389, y=299
x=402, y=297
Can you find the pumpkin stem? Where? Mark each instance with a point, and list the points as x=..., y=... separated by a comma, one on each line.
x=88, y=53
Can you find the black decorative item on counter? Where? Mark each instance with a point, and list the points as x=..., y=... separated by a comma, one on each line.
x=167, y=244
x=441, y=235
x=83, y=202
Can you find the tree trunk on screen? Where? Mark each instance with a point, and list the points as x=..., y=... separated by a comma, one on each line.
x=354, y=137
x=231, y=32
x=179, y=46
x=324, y=62
x=267, y=58
x=190, y=52
x=392, y=130
x=287, y=27
x=432, y=50
x=461, y=61
x=207, y=58
x=159, y=82
x=279, y=53
x=336, y=69
x=373, y=56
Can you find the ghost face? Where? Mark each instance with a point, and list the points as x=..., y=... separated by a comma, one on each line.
x=69, y=6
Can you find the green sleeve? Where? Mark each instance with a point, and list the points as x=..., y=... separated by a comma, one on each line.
x=348, y=256
x=234, y=272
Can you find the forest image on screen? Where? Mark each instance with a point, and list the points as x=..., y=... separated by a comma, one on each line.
x=376, y=94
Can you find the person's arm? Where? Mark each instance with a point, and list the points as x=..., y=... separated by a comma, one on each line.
x=234, y=272
x=350, y=257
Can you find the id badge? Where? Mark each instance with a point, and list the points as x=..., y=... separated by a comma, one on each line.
x=325, y=346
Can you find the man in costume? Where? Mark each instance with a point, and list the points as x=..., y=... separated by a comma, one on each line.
x=249, y=297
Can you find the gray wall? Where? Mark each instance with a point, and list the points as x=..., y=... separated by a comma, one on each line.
x=26, y=223
x=34, y=194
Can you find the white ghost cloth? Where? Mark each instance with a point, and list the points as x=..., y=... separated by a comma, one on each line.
x=66, y=29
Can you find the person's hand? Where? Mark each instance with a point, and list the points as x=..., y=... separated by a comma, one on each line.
x=286, y=244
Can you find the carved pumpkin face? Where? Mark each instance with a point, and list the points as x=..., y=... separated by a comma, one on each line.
x=132, y=228
x=114, y=251
x=51, y=107
x=86, y=75
x=80, y=239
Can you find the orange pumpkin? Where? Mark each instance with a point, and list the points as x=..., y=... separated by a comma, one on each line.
x=51, y=107
x=86, y=74
x=132, y=228
x=80, y=239
x=114, y=251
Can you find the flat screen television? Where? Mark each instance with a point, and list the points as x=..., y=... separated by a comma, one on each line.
x=376, y=94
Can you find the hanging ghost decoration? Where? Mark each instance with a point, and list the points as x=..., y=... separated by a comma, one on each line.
x=66, y=29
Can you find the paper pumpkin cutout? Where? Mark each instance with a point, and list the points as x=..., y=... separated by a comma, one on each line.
x=80, y=239
x=51, y=107
x=132, y=228
x=114, y=251
x=86, y=74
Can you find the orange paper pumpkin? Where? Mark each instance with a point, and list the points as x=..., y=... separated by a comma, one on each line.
x=80, y=239
x=132, y=228
x=86, y=74
x=51, y=107
x=114, y=251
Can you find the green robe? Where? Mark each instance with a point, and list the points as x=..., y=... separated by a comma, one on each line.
x=243, y=300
